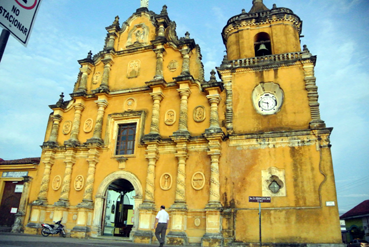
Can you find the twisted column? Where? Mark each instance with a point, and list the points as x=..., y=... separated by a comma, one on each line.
x=214, y=100
x=111, y=41
x=55, y=129
x=152, y=154
x=159, y=63
x=104, y=86
x=182, y=155
x=214, y=180
x=183, y=115
x=85, y=70
x=93, y=159
x=48, y=160
x=78, y=108
x=227, y=79
x=69, y=162
x=185, y=51
x=102, y=104
x=157, y=98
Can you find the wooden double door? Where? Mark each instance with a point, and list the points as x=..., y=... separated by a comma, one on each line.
x=10, y=202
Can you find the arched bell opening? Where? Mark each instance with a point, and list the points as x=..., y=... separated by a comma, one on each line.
x=119, y=209
x=262, y=45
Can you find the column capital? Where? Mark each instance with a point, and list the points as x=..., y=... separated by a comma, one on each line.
x=184, y=91
x=102, y=103
x=157, y=95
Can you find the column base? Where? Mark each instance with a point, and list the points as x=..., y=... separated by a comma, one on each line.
x=32, y=228
x=217, y=206
x=178, y=206
x=62, y=203
x=71, y=143
x=317, y=124
x=95, y=141
x=143, y=237
x=80, y=232
x=86, y=204
x=177, y=238
x=18, y=223
x=212, y=240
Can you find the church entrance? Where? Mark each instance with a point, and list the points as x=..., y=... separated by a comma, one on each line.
x=118, y=211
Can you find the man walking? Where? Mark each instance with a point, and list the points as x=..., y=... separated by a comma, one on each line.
x=162, y=219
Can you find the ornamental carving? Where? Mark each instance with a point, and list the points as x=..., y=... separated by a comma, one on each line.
x=197, y=221
x=166, y=181
x=198, y=180
x=173, y=65
x=96, y=78
x=138, y=36
x=87, y=126
x=130, y=104
x=199, y=113
x=170, y=117
x=79, y=183
x=56, y=182
x=133, y=69
x=67, y=127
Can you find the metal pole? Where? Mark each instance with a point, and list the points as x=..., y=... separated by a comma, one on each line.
x=3, y=41
x=260, y=223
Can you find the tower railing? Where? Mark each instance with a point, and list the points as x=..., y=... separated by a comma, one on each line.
x=269, y=59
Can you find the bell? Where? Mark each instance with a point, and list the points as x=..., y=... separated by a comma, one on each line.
x=262, y=48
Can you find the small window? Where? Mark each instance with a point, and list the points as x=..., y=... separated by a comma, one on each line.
x=126, y=139
x=262, y=45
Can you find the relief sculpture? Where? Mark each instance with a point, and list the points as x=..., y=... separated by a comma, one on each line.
x=198, y=180
x=87, y=127
x=166, y=181
x=67, y=127
x=56, y=182
x=133, y=70
x=170, y=117
x=78, y=183
x=199, y=114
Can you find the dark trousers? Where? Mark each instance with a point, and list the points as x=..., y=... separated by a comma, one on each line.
x=160, y=231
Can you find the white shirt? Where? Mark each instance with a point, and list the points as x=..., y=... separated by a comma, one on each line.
x=162, y=216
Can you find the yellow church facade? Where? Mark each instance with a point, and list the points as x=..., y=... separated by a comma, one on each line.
x=144, y=128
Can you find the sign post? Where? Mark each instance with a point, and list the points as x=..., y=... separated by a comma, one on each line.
x=260, y=199
x=17, y=18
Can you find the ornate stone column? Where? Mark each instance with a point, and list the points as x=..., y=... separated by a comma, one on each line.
x=184, y=93
x=185, y=51
x=157, y=98
x=104, y=86
x=69, y=161
x=214, y=100
x=55, y=129
x=19, y=216
x=73, y=140
x=96, y=138
x=312, y=89
x=152, y=154
x=182, y=156
x=159, y=63
x=48, y=160
x=85, y=70
x=93, y=159
x=227, y=80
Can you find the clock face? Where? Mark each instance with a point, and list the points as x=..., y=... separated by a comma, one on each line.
x=268, y=103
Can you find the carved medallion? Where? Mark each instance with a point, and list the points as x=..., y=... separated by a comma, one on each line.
x=138, y=36
x=170, y=117
x=130, y=104
x=133, y=70
x=173, y=65
x=67, y=127
x=166, y=181
x=197, y=221
x=56, y=182
x=199, y=113
x=96, y=78
x=79, y=182
x=87, y=127
x=198, y=180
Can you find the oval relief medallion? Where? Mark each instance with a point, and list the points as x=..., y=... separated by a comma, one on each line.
x=56, y=182
x=173, y=65
x=197, y=221
x=79, y=182
x=166, y=181
x=130, y=104
x=199, y=113
x=198, y=180
x=170, y=117
x=96, y=78
x=67, y=127
x=87, y=127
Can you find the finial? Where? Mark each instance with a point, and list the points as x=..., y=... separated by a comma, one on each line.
x=116, y=20
x=243, y=11
x=89, y=55
x=144, y=3
x=212, y=76
x=164, y=10
x=60, y=101
x=274, y=6
x=187, y=35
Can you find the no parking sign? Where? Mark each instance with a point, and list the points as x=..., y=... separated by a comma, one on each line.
x=18, y=17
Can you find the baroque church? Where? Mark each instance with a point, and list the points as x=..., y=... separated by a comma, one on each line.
x=144, y=128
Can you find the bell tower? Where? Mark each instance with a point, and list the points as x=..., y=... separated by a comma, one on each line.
x=269, y=80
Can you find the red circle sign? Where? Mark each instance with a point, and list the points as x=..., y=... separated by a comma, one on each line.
x=27, y=5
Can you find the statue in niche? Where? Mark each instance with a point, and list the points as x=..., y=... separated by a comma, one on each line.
x=144, y=3
x=133, y=69
x=138, y=36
